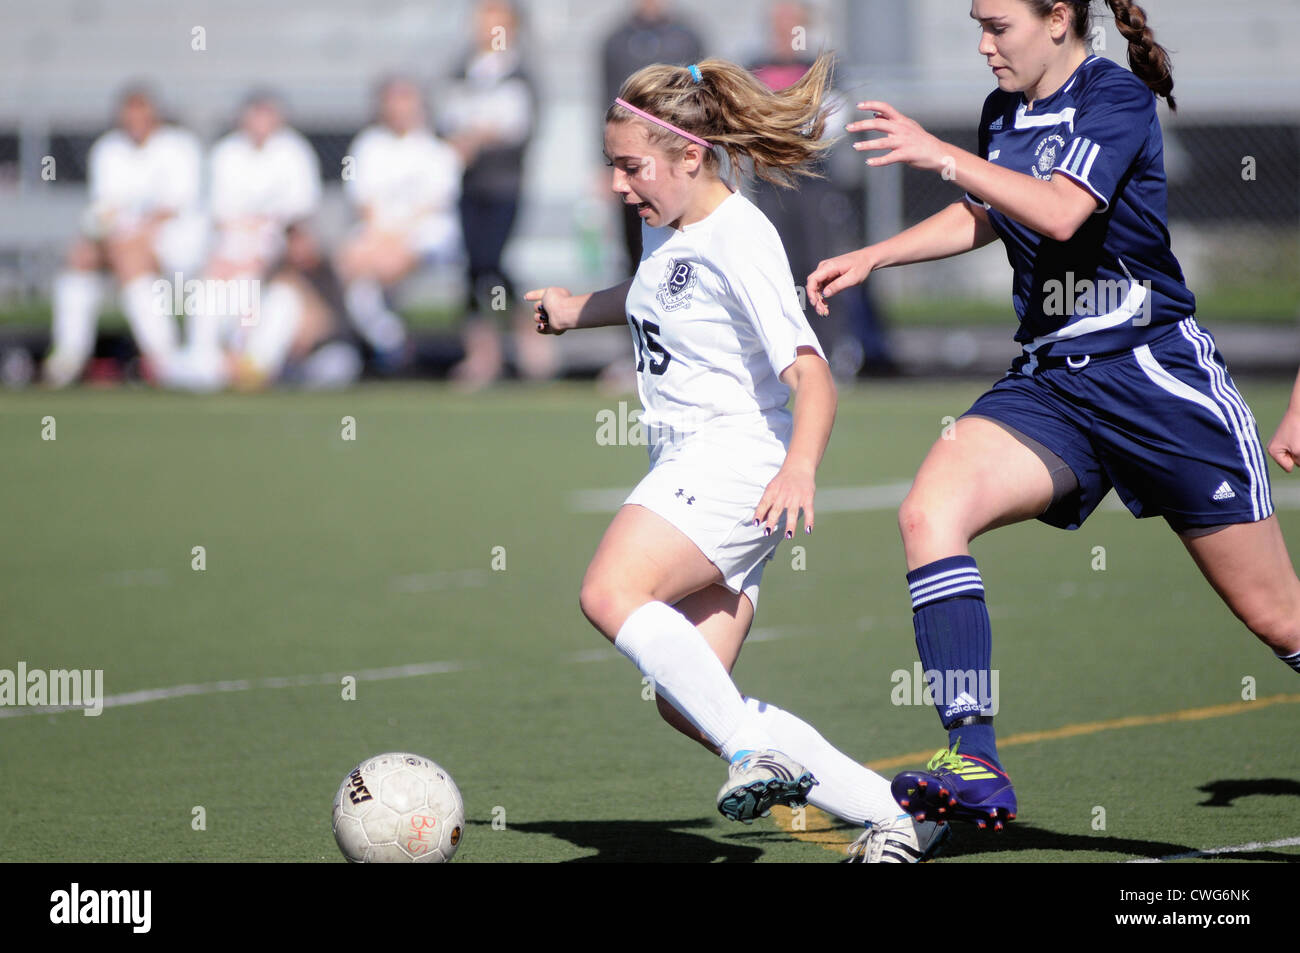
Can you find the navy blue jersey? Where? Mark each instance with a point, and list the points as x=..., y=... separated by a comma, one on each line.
x=1116, y=283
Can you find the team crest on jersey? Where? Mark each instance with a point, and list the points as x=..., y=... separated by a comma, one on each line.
x=1046, y=154
x=679, y=281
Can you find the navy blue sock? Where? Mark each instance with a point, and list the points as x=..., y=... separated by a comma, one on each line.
x=1291, y=660
x=955, y=643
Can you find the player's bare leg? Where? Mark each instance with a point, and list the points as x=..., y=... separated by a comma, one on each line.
x=484, y=358
x=641, y=558
x=366, y=265
x=132, y=259
x=980, y=479
x=1249, y=567
x=643, y=567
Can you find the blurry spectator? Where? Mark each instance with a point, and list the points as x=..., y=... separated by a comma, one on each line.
x=824, y=217
x=652, y=35
x=489, y=114
x=143, y=219
x=255, y=312
x=323, y=352
x=405, y=184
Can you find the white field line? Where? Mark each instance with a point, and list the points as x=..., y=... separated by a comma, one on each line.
x=245, y=685
x=1213, y=851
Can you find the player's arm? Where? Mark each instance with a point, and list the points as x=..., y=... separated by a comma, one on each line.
x=794, y=486
x=959, y=228
x=1285, y=445
x=557, y=311
x=1056, y=207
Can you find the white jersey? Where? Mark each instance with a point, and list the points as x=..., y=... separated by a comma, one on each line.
x=715, y=320
x=279, y=181
x=257, y=192
x=130, y=181
x=488, y=97
x=410, y=183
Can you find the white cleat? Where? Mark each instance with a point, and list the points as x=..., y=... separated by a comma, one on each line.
x=761, y=780
x=900, y=841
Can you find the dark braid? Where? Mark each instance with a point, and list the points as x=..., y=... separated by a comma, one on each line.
x=1149, y=60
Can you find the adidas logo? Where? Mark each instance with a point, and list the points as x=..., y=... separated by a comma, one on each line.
x=995, y=125
x=964, y=702
x=1224, y=492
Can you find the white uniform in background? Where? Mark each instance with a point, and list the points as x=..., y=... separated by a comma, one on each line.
x=411, y=185
x=255, y=194
x=128, y=183
x=488, y=97
x=278, y=183
x=715, y=320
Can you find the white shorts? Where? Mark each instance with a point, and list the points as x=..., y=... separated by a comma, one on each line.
x=180, y=244
x=708, y=486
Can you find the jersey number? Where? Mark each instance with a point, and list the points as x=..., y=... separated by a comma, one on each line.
x=648, y=346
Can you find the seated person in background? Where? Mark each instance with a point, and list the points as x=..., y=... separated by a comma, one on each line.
x=324, y=352
x=244, y=321
x=144, y=219
x=404, y=183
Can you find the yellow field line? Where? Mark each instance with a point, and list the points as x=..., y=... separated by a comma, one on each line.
x=818, y=828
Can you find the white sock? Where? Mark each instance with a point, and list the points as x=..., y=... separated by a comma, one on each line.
x=77, y=296
x=154, y=327
x=844, y=788
x=201, y=364
x=267, y=343
x=663, y=644
x=330, y=366
x=382, y=329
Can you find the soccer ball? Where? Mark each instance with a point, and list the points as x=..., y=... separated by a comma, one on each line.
x=398, y=808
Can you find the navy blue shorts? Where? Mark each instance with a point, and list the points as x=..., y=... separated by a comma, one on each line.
x=1162, y=423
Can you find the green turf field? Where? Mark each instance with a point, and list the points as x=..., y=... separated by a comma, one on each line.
x=327, y=557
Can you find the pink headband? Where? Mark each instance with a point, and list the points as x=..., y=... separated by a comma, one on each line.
x=660, y=122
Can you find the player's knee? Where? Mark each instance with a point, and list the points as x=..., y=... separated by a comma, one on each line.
x=83, y=256
x=1276, y=624
x=919, y=520
x=603, y=605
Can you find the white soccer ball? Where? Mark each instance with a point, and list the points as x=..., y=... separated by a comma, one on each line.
x=398, y=808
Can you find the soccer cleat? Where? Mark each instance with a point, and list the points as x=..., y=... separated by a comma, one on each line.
x=957, y=787
x=758, y=780
x=900, y=841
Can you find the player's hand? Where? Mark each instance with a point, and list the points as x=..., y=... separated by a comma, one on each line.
x=904, y=140
x=1285, y=445
x=790, y=491
x=549, y=310
x=834, y=275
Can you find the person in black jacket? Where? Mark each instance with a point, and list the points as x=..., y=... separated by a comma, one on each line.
x=489, y=116
x=651, y=35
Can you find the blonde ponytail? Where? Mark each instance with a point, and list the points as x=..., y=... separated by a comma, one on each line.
x=779, y=133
